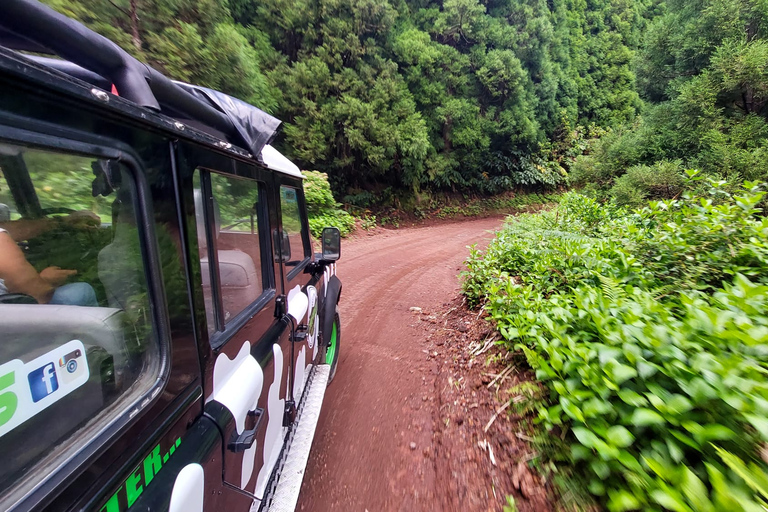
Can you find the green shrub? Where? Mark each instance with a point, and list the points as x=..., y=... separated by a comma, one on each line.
x=322, y=208
x=368, y=222
x=335, y=218
x=650, y=329
x=662, y=180
x=317, y=192
x=610, y=156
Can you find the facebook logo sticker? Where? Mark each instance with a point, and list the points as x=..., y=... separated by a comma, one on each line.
x=43, y=382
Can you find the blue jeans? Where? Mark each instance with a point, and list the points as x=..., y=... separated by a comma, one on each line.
x=75, y=294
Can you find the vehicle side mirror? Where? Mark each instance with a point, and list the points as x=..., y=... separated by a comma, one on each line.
x=331, y=244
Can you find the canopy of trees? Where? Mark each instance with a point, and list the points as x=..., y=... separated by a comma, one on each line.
x=703, y=71
x=402, y=95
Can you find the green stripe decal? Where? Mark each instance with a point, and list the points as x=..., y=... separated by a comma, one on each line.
x=331, y=352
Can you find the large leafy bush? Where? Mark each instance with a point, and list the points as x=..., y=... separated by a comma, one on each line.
x=662, y=180
x=650, y=329
x=322, y=209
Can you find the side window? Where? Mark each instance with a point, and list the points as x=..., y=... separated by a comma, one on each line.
x=293, y=225
x=236, y=241
x=78, y=346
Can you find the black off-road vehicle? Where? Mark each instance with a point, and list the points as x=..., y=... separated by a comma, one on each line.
x=166, y=330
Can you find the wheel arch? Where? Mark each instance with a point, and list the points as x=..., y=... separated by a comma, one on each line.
x=327, y=312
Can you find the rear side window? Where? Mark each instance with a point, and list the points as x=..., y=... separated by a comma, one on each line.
x=78, y=346
x=235, y=240
x=293, y=225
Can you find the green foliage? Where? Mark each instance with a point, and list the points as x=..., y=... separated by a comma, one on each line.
x=662, y=180
x=317, y=192
x=454, y=95
x=510, y=506
x=368, y=222
x=650, y=329
x=322, y=209
x=702, y=70
x=335, y=218
x=189, y=40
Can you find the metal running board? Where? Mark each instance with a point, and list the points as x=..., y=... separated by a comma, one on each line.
x=286, y=493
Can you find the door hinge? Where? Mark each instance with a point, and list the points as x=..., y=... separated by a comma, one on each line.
x=300, y=333
x=281, y=308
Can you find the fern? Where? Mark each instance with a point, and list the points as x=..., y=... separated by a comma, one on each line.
x=612, y=289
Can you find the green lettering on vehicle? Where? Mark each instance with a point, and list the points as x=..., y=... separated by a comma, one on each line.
x=152, y=465
x=113, y=505
x=8, y=400
x=127, y=494
x=133, y=488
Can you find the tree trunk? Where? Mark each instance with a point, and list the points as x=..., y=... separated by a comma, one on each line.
x=447, y=134
x=134, y=19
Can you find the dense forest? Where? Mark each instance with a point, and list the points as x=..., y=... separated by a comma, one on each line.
x=390, y=98
x=395, y=98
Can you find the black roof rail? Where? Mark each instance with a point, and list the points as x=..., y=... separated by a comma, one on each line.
x=28, y=25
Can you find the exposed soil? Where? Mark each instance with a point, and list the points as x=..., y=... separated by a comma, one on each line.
x=403, y=422
x=448, y=207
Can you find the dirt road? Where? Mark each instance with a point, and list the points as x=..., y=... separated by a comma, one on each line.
x=374, y=448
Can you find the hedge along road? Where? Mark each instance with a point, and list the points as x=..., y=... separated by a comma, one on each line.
x=373, y=445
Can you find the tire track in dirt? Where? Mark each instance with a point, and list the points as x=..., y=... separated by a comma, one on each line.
x=373, y=449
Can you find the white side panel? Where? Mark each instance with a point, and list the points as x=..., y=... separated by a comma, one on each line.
x=237, y=384
x=297, y=303
x=275, y=433
x=188, y=490
x=276, y=161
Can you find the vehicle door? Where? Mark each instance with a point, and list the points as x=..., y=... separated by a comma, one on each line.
x=247, y=367
x=295, y=259
x=89, y=386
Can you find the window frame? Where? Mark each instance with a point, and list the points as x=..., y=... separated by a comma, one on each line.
x=224, y=330
x=305, y=239
x=53, y=138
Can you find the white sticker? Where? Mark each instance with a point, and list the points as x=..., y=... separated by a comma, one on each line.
x=26, y=389
x=312, y=312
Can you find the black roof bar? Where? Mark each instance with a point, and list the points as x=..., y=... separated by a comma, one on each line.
x=74, y=70
x=34, y=26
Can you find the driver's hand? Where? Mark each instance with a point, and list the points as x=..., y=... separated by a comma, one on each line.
x=56, y=275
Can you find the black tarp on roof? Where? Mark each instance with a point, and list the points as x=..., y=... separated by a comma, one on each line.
x=254, y=125
x=31, y=26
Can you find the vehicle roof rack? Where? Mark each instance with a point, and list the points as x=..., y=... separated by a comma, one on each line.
x=28, y=25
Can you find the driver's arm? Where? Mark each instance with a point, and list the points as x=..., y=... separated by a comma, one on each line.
x=25, y=229
x=19, y=276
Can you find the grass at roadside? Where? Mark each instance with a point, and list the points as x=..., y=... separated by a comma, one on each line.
x=649, y=329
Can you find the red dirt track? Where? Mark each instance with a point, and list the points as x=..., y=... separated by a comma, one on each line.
x=374, y=448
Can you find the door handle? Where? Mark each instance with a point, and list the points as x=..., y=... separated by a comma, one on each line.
x=240, y=443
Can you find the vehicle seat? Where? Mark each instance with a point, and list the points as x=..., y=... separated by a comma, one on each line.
x=238, y=279
x=238, y=275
